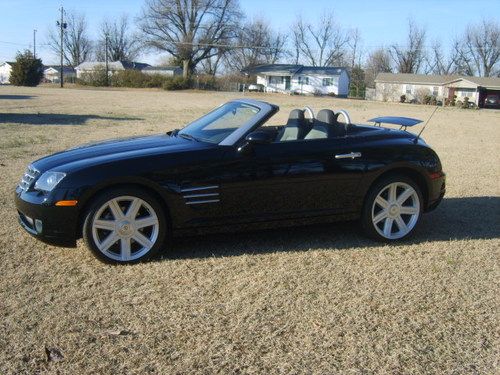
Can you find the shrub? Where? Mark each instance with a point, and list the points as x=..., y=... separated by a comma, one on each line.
x=97, y=77
x=27, y=71
x=130, y=78
x=156, y=81
x=176, y=83
x=402, y=98
x=465, y=104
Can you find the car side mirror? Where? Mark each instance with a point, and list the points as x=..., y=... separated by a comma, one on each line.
x=259, y=137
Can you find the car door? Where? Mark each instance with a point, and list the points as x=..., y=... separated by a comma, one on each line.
x=291, y=179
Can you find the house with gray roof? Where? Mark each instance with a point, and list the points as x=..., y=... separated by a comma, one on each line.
x=114, y=66
x=163, y=70
x=300, y=79
x=390, y=87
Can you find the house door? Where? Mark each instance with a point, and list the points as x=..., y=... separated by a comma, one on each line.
x=287, y=83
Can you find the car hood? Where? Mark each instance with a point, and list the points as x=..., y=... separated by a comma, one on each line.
x=116, y=149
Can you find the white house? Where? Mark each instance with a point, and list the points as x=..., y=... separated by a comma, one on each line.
x=51, y=73
x=302, y=79
x=114, y=66
x=390, y=87
x=5, y=69
x=163, y=70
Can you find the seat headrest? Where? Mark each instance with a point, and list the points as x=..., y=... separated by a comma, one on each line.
x=296, y=114
x=327, y=116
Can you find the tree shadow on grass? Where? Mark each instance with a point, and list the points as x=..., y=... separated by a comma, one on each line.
x=454, y=219
x=56, y=118
x=16, y=97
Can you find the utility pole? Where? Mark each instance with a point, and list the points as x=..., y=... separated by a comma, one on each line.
x=62, y=27
x=106, y=57
x=34, y=43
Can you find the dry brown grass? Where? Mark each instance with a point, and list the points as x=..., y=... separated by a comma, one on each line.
x=318, y=299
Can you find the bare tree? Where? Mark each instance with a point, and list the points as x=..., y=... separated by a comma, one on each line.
x=354, y=45
x=256, y=43
x=440, y=63
x=479, y=49
x=77, y=45
x=321, y=45
x=190, y=30
x=379, y=61
x=410, y=58
x=121, y=44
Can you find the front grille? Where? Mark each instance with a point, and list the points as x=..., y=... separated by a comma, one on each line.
x=28, y=178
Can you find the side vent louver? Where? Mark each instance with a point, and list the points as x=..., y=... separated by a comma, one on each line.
x=201, y=194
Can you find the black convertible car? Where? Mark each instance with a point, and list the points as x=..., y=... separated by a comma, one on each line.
x=229, y=170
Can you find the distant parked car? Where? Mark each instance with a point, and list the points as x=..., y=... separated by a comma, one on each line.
x=256, y=87
x=492, y=101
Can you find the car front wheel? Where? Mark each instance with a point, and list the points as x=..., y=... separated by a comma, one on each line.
x=125, y=225
x=392, y=209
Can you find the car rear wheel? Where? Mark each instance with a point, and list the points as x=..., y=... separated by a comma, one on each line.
x=392, y=209
x=126, y=225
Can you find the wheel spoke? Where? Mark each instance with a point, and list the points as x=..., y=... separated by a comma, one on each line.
x=388, y=227
x=145, y=222
x=380, y=216
x=381, y=202
x=133, y=209
x=105, y=224
x=408, y=210
x=125, y=248
x=110, y=240
x=116, y=209
x=392, y=192
x=142, y=240
x=401, y=224
x=405, y=195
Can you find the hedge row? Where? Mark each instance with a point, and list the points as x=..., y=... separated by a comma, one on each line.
x=133, y=78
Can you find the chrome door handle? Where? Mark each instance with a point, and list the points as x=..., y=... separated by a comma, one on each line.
x=350, y=155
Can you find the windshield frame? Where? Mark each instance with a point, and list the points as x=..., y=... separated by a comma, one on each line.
x=266, y=110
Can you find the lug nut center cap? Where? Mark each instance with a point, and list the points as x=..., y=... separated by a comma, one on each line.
x=394, y=210
x=125, y=229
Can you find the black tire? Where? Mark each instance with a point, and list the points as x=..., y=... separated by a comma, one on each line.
x=368, y=208
x=160, y=231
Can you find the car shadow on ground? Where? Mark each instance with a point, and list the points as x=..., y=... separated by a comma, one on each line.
x=454, y=219
x=56, y=118
x=16, y=97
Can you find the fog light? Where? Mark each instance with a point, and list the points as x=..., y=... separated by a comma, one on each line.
x=38, y=225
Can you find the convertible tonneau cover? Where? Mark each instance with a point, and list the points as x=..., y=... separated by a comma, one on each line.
x=402, y=121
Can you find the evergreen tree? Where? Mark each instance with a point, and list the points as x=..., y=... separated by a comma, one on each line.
x=27, y=71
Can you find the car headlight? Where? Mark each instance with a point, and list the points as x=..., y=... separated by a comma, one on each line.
x=49, y=180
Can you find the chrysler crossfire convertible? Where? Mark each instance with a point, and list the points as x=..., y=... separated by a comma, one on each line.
x=229, y=170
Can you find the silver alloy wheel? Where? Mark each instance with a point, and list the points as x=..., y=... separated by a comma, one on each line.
x=396, y=210
x=125, y=228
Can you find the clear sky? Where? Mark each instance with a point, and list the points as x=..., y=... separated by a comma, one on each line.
x=380, y=22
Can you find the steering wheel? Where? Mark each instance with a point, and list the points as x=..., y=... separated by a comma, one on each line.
x=309, y=112
x=346, y=117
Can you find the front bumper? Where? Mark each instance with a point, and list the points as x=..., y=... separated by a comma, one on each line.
x=42, y=219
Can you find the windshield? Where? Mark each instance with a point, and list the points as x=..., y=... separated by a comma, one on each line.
x=220, y=123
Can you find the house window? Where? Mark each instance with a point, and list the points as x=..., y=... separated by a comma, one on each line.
x=408, y=89
x=435, y=91
x=328, y=81
x=275, y=80
x=303, y=80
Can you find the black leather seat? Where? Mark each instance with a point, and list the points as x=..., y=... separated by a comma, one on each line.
x=326, y=126
x=296, y=127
